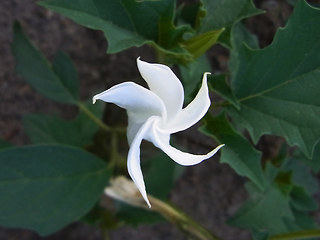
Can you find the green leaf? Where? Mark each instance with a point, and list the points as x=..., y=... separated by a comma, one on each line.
x=199, y=44
x=141, y=22
x=278, y=86
x=302, y=221
x=224, y=13
x=190, y=13
x=303, y=186
x=239, y=36
x=46, y=187
x=301, y=200
x=37, y=71
x=237, y=152
x=283, y=181
x=221, y=83
x=302, y=175
x=264, y=211
x=284, y=204
x=160, y=176
x=313, y=163
x=52, y=129
x=65, y=70
x=218, y=84
x=192, y=74
x=259, y=234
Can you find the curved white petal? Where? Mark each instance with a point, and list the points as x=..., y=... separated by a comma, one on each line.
x=163, y=82
x=192, y=113
x=133, y=162
x=139, y=102
x=134, y=98
x=183, y=158
x=134, y=125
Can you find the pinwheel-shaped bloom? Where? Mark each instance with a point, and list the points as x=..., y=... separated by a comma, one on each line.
x=155, y=113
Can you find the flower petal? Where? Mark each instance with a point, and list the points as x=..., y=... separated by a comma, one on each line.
x=192, y=113
x=139, y=102
x=186, y=159
x=134, y=125
x=134, y=98
x=133, y=163
x=163, y=82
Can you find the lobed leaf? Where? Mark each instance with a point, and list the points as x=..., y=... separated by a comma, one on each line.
x=46, y=187
x=284, y=204
x=264, y=211
x=278, y=87
x=237, y=152
x=224, y=13
x=126, y=23
x=314, y=162
x=219, y=84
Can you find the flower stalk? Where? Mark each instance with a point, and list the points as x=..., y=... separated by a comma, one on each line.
x=185, y=223
x=125, y=190
x=100, y=123
x=303, y=234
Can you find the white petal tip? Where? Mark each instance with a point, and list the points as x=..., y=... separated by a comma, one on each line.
x=214, y=151
x=204, y=79
x=145, y=197
x=220, y=146
x=94, y=100
x=139, y=60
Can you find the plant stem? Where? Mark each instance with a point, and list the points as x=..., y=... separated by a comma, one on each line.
x=181, y=220
x=125, y=190
x=116, y=160
x=101, y=124
x=220, y=104
x=160, y=56
x=304, y=234
x=114, y=146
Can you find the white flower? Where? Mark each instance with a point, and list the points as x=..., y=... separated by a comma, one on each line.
x=156, y=113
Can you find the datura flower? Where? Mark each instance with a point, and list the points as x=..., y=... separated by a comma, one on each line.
x=155, y=113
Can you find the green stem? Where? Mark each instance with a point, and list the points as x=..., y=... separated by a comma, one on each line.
x=181, y=220
x=116, y=160
x=220, y=104
x=114, y=146
x=126, y=191
x=105, y=234
x=160, y=56
x=304, y=234
x=101, y=124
